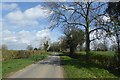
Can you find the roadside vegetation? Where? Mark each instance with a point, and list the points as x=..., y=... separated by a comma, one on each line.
x=14, y=60
x=99, y=66
x=0, y=64
x=93, y=30
x=102, y=53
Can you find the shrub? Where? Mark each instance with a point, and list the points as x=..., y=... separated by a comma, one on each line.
x=22, y=54
x=6, y=55
x=105, y=59
x=37, y=57
x=14, y=54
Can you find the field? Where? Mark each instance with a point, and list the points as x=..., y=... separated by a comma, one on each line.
x=79, y=68
x=16, y=60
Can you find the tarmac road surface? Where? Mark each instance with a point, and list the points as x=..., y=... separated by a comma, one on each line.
x=48, y=68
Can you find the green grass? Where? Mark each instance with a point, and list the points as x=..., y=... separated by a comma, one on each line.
x=0, y=69
x=38, y=57
x=14, y=65
x=75, y=68
x=0, y=64
x=105, y=53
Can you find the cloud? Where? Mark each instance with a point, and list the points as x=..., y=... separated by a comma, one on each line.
x=0, y=25
x=37, y=12
x=8, y=36
x=34, y=38
x=20, y=20
x=43, y=33
x=32, y=13
x=25, y=37
x=43, y=36
x=5, y=6
x=22, y=28
x=30, y=17
x=15, y=15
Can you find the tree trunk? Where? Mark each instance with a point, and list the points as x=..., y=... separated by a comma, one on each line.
x=87, y=33
x=87, y=45
x=118, y=42
x=118, y=47
x=71, y=51
x=87, y=30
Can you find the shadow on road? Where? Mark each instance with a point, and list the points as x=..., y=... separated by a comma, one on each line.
x=51, y=60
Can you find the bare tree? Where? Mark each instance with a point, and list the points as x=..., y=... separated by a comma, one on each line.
x=113, y=10
x=81, y=14
x=62, y=44
x=46, y=45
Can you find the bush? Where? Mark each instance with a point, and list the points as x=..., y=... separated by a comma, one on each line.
x=37, y=57
x=21, y=54
x=102, y=58
x=7, y=55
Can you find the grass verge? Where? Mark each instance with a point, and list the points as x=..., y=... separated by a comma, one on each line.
x=104, y=53
x=0, y=64
x=74, y=68
x=14, y=65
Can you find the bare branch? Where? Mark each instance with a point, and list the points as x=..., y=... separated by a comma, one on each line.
x=97, y=29
x=98, y=6
x=83, y=9
x=95, y=39
x=97, y=16
x=77, y=24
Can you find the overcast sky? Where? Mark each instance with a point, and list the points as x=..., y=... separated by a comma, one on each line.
x=25, y=23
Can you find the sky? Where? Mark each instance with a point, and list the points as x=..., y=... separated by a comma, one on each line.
x=26, y=23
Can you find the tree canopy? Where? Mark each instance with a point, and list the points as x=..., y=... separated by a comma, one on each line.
x=85, y=15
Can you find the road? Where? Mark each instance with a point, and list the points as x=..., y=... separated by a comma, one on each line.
x=48, y=68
